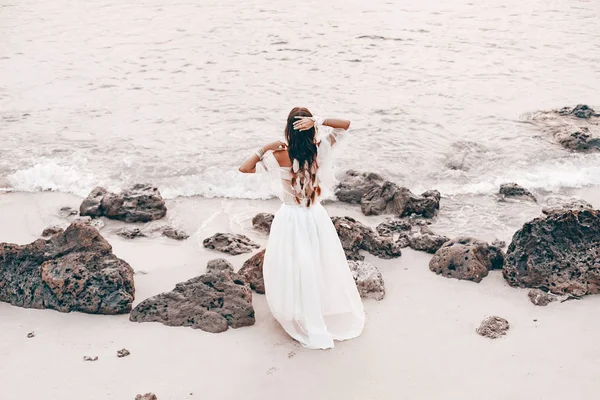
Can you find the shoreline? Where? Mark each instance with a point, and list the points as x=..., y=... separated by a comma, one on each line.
x=419, y=342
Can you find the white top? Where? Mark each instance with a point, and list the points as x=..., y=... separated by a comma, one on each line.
x=281, y=177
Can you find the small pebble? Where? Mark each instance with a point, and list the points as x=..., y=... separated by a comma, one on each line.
x=123, y=353
x=291, y=354
x=31, y=335
x=88, y=358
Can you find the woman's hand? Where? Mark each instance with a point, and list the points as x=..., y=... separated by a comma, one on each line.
x=304, y=123
x=276, y=146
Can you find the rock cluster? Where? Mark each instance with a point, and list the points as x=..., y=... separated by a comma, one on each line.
x=377, y=196
x=576, y=129
x=139, y=203
x=74, y=270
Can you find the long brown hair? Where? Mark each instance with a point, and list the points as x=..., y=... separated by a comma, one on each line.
x=302, y=149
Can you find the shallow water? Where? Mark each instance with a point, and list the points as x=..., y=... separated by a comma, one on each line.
x=109, y=92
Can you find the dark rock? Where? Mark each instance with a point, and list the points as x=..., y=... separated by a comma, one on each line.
x=30, y=335
x=354, y=185
x=580, y=140
x=140, y=203
x=92, y=205
x=262, y=222
x=356, y=236
x=252, y=272
x=391, y=226
x=147, y=396
x=230, y=243
x=52, y=230
x=72, y=271
x=131, y=233
x=514, y=191
x=211, y=302
x=559, y=253
x=392, y=199
x=378, y=196
x=580, y=111
x=576, y=129
x=219, y=265
x=369, y=281
x=466, y=258
x=88, y=358
x=493, y=327
x=541, y=298
x=428, y=242
x=172, y=233
x=123, y=353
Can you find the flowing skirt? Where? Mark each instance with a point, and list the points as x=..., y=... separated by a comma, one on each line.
x=309, y=287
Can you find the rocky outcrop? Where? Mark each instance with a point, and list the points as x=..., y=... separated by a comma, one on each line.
x=252, y=272
x=493, y=327
x=466, y=258
x=72, y=271
x=541, y=298
x=516, y=192
x=356, y=236
x=559, y=253
x=262, y=222
x=369, y=281
x=378, y=196
x=140, y=203
x=576, y=129
x=230, y=243
x=211, y=302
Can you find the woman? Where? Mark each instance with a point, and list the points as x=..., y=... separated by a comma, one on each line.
x=309, y=287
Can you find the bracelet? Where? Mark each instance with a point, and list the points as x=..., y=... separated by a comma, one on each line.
x=260, y=153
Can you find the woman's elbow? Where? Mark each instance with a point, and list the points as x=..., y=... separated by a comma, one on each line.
x=245, y=170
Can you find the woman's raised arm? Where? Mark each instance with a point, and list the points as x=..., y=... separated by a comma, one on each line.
x=249, y=165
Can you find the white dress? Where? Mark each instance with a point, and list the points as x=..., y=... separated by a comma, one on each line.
x=308, y=284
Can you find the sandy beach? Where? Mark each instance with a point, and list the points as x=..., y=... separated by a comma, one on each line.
x=419, y=342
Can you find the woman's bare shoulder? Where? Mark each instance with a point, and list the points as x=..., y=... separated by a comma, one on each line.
x=283, y=158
